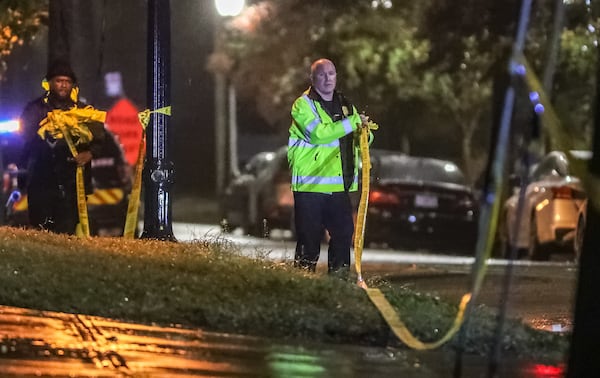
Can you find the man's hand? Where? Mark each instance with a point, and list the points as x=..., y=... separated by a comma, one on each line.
x=83, y=158
x=364, y=119
x=366, y=122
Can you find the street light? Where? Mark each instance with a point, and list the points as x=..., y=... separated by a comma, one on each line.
x=229, y=7
x=220, y=64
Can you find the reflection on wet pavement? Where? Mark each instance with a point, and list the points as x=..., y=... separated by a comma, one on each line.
x=44, y=343
x=59, y=344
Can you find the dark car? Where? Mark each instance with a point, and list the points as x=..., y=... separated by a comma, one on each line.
x=418, y=202
x=260, y=199
x=107, y=205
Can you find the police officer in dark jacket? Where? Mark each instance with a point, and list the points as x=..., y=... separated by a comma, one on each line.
x=51, y=167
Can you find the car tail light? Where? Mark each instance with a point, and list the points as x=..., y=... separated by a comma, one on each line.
x=379, y=197
x=540, y=370
x=562, y=192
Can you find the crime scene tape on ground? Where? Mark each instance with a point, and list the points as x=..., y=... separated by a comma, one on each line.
x=559, y=136
x=134, y=199
x=389, y=314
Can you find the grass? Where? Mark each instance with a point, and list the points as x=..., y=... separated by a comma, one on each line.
x=208, y=284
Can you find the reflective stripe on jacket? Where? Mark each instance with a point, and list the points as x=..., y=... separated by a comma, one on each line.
x=314, y=147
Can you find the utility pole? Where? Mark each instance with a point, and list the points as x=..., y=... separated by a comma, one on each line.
x=158, y=170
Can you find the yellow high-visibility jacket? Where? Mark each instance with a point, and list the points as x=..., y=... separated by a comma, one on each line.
x=314, y=146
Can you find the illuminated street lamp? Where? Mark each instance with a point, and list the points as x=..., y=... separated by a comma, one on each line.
x=220, y=64
x=229, y=7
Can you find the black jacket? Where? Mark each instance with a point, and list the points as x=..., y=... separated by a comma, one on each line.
x=48, y=161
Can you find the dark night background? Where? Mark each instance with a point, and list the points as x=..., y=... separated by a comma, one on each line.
x=110, y=36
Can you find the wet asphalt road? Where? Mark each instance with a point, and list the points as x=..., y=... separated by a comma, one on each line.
x=542, y=295
x=42, y=343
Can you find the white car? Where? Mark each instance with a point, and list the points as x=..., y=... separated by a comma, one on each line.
x=553, y=211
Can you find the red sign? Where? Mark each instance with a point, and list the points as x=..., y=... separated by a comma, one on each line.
x=122, y=120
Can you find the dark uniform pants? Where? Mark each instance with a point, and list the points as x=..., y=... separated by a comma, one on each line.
x=315, y=213
x=53, y=209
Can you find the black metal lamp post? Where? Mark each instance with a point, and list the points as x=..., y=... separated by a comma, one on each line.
x=158, y=170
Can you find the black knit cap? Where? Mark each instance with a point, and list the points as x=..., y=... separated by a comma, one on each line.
x=60, y=68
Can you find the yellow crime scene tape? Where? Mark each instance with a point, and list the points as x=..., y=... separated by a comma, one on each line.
x=108, y=196
x=21, y=204
x=560, y=139
x=559, y=136
x=68, y=124
x=99, y=197
x=361, y=217
x=389, y=314
x=71, y=123
x=134, y=199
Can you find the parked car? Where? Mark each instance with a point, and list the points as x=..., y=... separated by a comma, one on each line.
x=420, y=202
x=107, y=205
x=260, y=198
x=553, y=210
x=416, y=202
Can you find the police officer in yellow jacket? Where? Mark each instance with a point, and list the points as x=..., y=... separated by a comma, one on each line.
x=323, y=158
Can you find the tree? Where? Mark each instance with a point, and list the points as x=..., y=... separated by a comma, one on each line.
x=268, y=69
x=493, y=23
x=575, y=81
x=382, y=61
x=464, y=96
x=20, y=20
x=430, y=63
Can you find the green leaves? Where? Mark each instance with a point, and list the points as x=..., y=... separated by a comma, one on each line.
x=393, y=63
x=20, y=20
